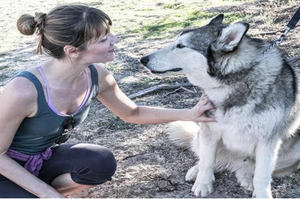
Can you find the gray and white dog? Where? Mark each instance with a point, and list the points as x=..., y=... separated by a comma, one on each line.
x=256, y=95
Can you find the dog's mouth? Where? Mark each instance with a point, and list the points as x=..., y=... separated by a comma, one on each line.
x=166, y=71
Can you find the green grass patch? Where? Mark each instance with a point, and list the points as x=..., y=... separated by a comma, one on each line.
x=160, y=27
x=2, y=54
x=150, y=19
x=175, y=6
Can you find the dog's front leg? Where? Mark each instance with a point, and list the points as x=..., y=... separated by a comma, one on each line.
x=204, y=181
x=266, y=155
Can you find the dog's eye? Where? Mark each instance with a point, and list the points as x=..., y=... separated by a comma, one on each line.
x=180, y=46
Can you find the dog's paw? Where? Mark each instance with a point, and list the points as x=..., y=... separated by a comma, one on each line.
x=192, y=173
x=247, y=184
x=203, y=190
x=203, y=185
x=245, y=180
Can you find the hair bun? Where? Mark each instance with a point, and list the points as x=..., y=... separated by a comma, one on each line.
x=27, y=24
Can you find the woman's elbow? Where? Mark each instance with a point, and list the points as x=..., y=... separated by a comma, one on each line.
x=130, y=119
x=133, y=117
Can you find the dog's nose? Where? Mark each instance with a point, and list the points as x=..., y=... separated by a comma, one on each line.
x=144, y=60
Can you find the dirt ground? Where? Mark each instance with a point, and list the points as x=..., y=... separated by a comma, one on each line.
x=149, y=166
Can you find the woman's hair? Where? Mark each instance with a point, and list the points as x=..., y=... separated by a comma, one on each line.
x=65, y=25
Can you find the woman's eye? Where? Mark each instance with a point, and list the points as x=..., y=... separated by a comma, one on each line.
x=103, y=39
x=180, y=46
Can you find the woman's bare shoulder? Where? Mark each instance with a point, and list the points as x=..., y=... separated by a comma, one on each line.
x=20, y=93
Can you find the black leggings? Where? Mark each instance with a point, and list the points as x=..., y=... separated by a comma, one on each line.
x=88, y=164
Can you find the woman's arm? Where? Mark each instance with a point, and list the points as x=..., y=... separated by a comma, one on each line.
x=116, y=101
x=19, y=100
x=16, y=173
x=150, y=115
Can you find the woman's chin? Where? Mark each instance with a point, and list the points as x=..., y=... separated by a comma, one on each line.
x=109, y=57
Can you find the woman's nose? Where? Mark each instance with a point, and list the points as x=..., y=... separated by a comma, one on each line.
x=114, y=39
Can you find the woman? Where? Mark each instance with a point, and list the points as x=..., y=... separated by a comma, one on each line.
x=41, y=105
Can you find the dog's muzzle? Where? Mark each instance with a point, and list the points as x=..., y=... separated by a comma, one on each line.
x=145, y=60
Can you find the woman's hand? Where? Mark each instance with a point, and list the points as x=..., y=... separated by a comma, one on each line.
x=198, y=111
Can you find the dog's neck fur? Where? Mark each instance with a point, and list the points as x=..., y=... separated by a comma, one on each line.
x=233, y=83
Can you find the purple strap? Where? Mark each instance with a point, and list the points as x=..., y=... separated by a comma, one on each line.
x=33, y=163
x=51, y=105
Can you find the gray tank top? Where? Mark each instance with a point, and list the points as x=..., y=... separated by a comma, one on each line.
x=37, y=133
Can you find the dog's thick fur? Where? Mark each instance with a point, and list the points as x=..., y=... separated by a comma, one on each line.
x=256, y=96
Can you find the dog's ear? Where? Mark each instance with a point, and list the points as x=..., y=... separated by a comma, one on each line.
x=216, y=20
x=230, y=37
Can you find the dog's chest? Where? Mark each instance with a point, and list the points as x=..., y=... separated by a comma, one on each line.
x=238, y=125
x=240, y=130
x=237, y=137
x=241, y=142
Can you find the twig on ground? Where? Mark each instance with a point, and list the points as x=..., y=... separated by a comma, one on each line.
x=158, y=87
x=174, y=91
x=188, y=90
x=181, y=87
x=130, y=156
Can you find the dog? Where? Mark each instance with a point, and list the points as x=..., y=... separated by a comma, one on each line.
x=255, y=93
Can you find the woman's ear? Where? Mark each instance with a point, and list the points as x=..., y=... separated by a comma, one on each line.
x=71, y=51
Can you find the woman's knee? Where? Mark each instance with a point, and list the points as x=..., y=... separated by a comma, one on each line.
x=97, y=164
x=104, y=161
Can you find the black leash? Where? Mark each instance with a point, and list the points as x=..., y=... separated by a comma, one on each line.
x=294, y=20
x=290, y=26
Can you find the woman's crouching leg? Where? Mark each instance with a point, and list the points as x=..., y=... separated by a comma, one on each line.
x=96, y=164
x=78, y=167
x=66, y=186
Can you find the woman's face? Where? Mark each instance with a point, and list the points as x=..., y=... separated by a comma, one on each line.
x=100, y=50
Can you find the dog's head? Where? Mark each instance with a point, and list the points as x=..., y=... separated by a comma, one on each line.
x=197, y=50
